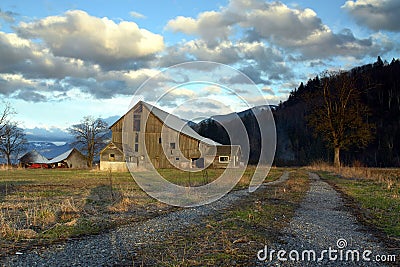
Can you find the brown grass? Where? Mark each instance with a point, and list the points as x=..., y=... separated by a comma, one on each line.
x=233, y=236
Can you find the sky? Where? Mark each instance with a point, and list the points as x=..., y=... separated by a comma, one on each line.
x=62, y=60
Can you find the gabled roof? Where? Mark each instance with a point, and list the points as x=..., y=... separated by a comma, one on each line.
x=117, y=145
x=177, y=124
x=63, y=156
x=172, y=122
x=34, y=157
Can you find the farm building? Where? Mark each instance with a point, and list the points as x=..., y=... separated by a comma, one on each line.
x=69, y=159
x=33, y=159
x=153, y=136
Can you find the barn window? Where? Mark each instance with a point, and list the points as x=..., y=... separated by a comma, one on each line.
x=136, y=138
x=112, y=157
x=176, y=158
x=136, y=125
x=172, y=145
x=136, y=147
x=223, y=159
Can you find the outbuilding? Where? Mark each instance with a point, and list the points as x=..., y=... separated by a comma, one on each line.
x=69, y=159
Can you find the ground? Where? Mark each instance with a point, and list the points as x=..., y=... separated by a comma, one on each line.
x=297, y=211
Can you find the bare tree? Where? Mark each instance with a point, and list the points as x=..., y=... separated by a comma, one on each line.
x=89, y=136
x=338, y=113
x=13, y=141
x=5, y=114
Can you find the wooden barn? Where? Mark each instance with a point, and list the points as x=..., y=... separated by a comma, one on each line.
x=69, y=159
x=153, y=136
x=33, y=159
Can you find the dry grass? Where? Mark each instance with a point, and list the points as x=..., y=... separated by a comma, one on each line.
x=233, y=236
x=375, y=193
x=50, y=205
x=389, y=178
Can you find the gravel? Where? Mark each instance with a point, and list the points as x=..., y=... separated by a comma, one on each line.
x=318, y=224
x=118, y=247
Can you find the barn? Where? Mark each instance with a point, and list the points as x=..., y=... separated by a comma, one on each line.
x=153, y=136
x=33, y=159
x=69, y=159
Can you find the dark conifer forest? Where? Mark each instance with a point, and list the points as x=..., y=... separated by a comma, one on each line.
x=377, y=88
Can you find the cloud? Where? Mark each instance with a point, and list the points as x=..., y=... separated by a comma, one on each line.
x=78, y=35
x=8, y=16
x=137, y=15
x=268, y=90
x=375, y=14
x=294, y=30
x=211, y=26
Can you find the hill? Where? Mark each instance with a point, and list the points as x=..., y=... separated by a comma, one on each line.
x=379, y=87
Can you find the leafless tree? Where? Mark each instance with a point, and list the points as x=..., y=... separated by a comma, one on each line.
x=13, y=141
x=338, y=113
x=5, y=114
x=89, y=136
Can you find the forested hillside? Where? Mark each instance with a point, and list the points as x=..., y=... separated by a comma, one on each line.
x=378, y=92
x=379, y=89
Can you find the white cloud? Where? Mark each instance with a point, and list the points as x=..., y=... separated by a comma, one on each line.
x=294, y=30
x=375, y=14
x=76, y=34
x=137, y=15
x=211, y=26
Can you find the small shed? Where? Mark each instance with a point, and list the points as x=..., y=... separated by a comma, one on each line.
x=112, y=158
x=69, y=159
x=34, y=159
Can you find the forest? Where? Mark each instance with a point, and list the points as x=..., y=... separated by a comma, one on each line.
x=301, y=139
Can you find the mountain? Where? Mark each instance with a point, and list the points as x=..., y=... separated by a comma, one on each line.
x=52, y=134
x=297, y=144
x=111, y=120
x=48, y=149
x=231, y=116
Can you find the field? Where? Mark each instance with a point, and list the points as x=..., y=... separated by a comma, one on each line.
x=39, y=207
x=42, y=206
x=231, y=237
x=373, y=193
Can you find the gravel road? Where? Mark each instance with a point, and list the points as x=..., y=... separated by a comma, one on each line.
x=117, y=247
x=321, y=223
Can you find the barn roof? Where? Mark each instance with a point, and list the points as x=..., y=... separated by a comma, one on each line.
x=177, y=124
x=34, y=157
x=172, y=122
x=63, y=156
x=226, y=149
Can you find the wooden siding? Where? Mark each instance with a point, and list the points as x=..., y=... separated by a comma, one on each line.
x=154, y=139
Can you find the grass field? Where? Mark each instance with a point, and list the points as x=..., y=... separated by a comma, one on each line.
x=375, y=194
x=232, y=237
x=42, y=206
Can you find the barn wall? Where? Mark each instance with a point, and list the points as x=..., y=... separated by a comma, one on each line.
x=117, y=132
x=105, y=155
x=76, y=161
x=113, y=166
x=162, y=153
x=147, y=141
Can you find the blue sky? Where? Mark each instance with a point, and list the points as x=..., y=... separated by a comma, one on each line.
x=62, y=60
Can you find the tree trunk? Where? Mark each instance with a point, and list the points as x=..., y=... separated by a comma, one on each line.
x=8, y=159
x=336, y=161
